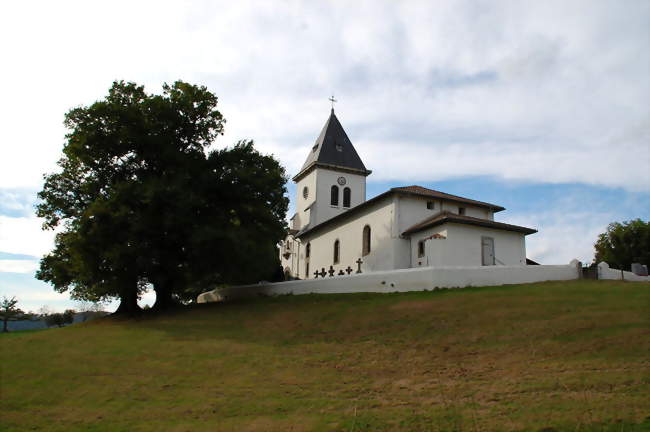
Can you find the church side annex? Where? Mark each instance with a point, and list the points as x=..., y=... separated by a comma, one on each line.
x=405, y=227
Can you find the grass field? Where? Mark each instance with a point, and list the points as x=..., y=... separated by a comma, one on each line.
x=561, y=356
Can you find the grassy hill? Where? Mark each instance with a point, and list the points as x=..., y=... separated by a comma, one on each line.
x=553, y=356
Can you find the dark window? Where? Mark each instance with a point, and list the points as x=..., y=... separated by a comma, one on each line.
x=420, y=248
x=366, y=241
x=334, y=196
x=307, y=253
x=346, y=197
x=461, y=210
x=305, y=192
x=337, y=245
x=430, y=205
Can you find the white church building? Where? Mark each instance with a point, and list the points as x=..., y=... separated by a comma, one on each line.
x=336, y=231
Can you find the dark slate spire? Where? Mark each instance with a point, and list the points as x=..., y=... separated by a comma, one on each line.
x=334, y=150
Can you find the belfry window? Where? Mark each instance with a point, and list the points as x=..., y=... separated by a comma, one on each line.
x=346, y=197
x=337, y=251
x=365, y=250
x=334, y=200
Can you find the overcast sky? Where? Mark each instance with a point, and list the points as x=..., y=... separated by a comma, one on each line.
x=539, y=106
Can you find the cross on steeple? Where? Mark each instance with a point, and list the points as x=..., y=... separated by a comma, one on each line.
x=331, y=99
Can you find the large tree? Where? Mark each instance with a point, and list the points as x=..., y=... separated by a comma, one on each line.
x=624, y=243
x=142, y=201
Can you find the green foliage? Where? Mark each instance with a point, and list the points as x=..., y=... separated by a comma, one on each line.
x=141, y=201
x=10, y=312
x=624, y=243
x=60, y=319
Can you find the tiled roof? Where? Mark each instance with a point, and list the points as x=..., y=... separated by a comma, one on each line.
x=447, y=217
x=410, y=190
x=333, y=149
x=422, y=191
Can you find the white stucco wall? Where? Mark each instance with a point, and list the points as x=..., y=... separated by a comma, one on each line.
x=434, y=249
x=379, y=216
x=325, y=179
x=413, y=209
x=289, y=262
x=416, y=279
x=605, y=272
x=463, y=245
x=390, y=251
x=302, y=217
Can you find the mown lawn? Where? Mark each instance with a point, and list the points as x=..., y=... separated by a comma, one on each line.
x=555, y=356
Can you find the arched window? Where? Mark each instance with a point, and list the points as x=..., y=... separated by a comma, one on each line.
x=346, y=197
x=334, y=196
x=337, y=251
x=307, y=250
x=366, y=241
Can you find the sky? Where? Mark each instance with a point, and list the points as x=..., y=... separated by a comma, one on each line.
x=541, y=107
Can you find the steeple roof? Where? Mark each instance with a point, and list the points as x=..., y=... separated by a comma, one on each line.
x=333, y=150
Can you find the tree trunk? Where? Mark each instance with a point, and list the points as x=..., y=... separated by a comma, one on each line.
x=164, y=299
x=129, y=302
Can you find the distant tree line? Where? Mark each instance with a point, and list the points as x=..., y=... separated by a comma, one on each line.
x=141, y=199
x=9, y=311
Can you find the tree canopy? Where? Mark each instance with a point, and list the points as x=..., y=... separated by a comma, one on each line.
x=10, y=312
x=624, y=243
x=141, y=199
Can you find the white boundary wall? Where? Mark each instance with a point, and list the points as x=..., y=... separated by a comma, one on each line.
x=413, y=279
x=604, y=272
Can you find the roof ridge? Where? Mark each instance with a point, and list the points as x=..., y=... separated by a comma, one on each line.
x=424, y=191
x=447, y=216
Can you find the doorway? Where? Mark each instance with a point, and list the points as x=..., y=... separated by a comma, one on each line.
x=487, y=251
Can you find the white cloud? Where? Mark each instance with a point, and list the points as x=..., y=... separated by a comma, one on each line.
x=18, y=266
x=24, y=236
x=567, y=228
x=543, y=91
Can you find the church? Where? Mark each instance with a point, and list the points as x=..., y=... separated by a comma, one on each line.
x=336, y=231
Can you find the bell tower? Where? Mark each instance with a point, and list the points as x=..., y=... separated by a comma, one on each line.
x=332, y=180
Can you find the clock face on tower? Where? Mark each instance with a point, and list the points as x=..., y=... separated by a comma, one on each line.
x=341, y=181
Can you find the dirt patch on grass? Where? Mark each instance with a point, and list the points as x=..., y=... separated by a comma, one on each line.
x=415, y=305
